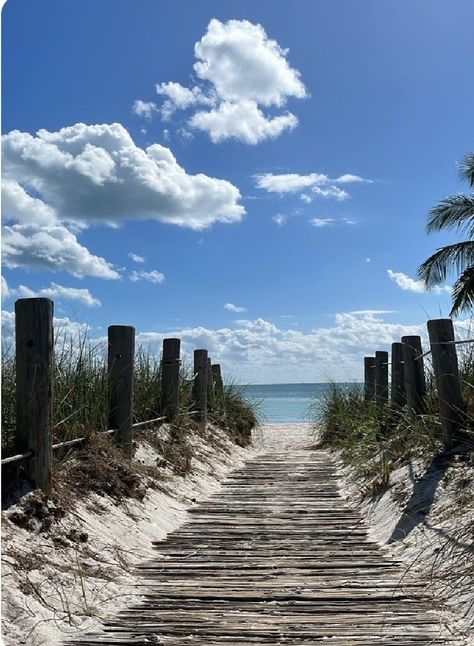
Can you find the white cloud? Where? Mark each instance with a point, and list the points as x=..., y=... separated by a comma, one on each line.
x=60, y=292
x=319, y=184
x=5, y=289
x=368, y=259
x=240, y=71
x=53, y=248
x=153, y=276
x=136, y=258
x=279, y=219
x=144, y=109
x=332, y=192
x=322, y=222
x=243, y=121
x=412, y=285
x=55, y=181
x=294, y=183
x=348, y=178
x=241, y=62
x=234, y=308
x=179, y=97
x=258, y=350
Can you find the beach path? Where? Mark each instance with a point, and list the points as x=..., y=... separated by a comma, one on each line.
x=276, y=556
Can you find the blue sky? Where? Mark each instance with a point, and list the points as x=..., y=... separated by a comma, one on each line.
x=278, y=158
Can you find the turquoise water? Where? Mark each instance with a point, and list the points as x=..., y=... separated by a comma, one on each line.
x=287, y=402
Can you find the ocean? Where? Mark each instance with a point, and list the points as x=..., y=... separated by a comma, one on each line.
x=287, y=402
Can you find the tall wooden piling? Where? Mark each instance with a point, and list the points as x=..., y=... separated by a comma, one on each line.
x=414, y=373
x=170, y=363
x=200, y=386
x=452, y=409
x=369, y=378
x=218, y=383
x=34, y=387
x=381, y=377
x=211, y=400
x=121, y=357
x=397, y=390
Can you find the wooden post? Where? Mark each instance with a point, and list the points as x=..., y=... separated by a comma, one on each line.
x=121, y=357
x=369, y=378
x=200, y=386
x=218, y=384
x=381, y=377
x=397, y=391
x=452, y=409
x=170, y=363
x=34, y=387
x=211, y=400
x=414, y=374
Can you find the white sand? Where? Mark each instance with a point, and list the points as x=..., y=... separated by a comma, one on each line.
x=74, y=587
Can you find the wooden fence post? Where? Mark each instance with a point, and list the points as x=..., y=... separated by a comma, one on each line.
x=369, y=378
x=414, y=374
x=452, y=409
x=397, y=392
x=218, y=383
x=200, y=386
x=121, y=358
x=381, y=377
x=211, y=399
x=34, y=386
x=170, y=364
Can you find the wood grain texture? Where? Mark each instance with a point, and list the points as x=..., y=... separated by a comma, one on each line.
x=34, y=387
x=170, y=364
x=275, y=557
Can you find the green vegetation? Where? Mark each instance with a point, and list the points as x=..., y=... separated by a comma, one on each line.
x=80, y=394
x=376, y=440
x=454, y=212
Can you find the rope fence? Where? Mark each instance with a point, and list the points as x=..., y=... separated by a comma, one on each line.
x=34, y=350
x=408, y=382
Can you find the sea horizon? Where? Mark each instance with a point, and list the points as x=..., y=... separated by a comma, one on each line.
x=296, y=402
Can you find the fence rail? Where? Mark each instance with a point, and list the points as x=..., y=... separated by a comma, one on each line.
x=408, y=383
x=34, y=349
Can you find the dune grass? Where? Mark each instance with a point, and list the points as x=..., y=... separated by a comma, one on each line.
x=80, y=393
x=375, y=440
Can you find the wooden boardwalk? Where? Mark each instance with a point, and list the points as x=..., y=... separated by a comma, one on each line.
x=275, y=557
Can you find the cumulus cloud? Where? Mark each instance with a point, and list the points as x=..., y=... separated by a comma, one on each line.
x=179, y=97
x=320, y=184
x=144, y=109
x=53, y=248
x=58, y=181
x=418, y=286
x=240, y=71
x=234, y=308
x=97, y=173
x=153, y=276
x=259, y=350
x=136, y=258
x=55, y=291
x=243, y=121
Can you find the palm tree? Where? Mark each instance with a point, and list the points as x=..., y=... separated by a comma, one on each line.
x=454, y=212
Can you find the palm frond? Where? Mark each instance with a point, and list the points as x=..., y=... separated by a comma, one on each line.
x=463, y=292
x=455, y=211
x=456, y=257
x=466, y=169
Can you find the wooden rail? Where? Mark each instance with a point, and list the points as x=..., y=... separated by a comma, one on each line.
x=408, y=381
x=34, y=389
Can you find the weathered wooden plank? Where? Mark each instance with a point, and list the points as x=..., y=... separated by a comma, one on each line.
x=275, y=557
